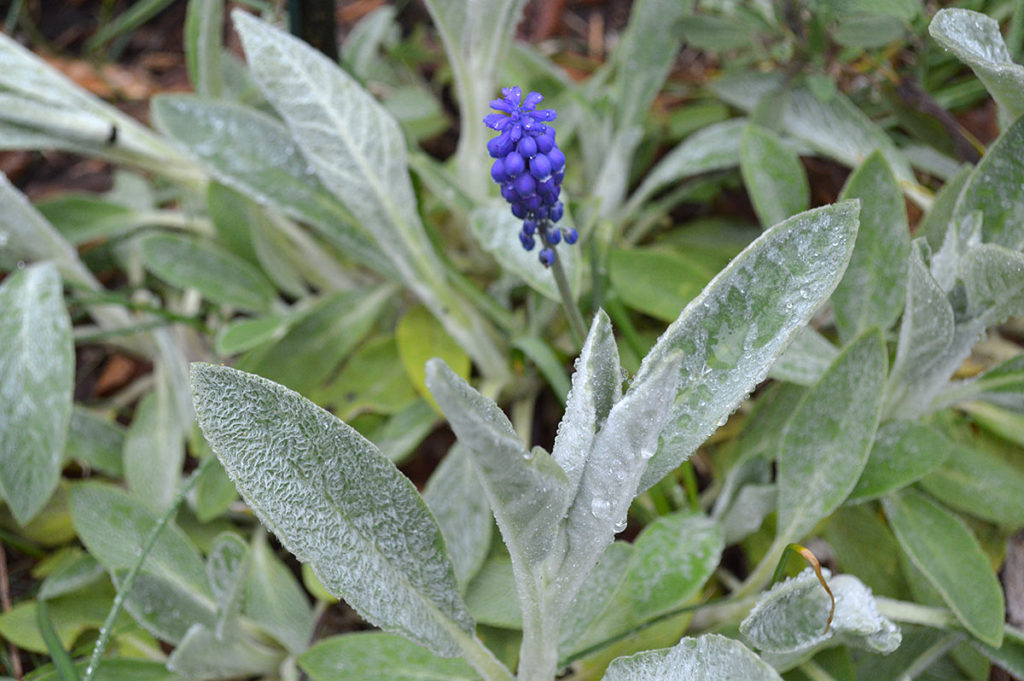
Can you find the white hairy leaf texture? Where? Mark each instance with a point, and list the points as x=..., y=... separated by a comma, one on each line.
x=336, y=502
x=172, y=591
x=527, y=489
x=975, y=39
x=358, y=151
x=873, y=289
x=596, y=387
x=730, y=335
x=458, y=501
x=791, y=621
x=710, y=657
x=37, y=372
x=828, y=438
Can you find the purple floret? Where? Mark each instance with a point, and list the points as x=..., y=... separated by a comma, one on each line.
x=529, y=168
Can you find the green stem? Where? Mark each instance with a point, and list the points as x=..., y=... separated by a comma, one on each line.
x=814, y=672
x=129, y=581
x=914, y=613
x=481, y=658
x=930, y=656
x=577, y=328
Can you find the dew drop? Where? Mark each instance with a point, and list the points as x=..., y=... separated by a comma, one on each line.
x=600, y=508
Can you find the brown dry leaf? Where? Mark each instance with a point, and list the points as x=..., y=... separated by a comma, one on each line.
x=117, y=373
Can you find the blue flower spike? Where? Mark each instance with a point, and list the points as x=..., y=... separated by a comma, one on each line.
x=529, y=167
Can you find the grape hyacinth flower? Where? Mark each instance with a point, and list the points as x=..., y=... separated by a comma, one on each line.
x=529, y=167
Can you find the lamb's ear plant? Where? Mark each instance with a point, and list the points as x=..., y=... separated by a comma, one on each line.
x=338, y=504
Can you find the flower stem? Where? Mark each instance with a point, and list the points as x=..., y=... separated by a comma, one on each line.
x=576, y=327
x=129, y=580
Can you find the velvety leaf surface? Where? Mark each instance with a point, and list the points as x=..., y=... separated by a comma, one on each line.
x=172, y=591
x=836, y=127
x=730, y=335
x=994, y=188
x=375, y=656
x=596, y=387
x=903, y=452
x=975, y=39
x=942, y=547
x=320, y=337
x=874, y=286
x=611, y=474
x=336, y=502
x=806, y=358
x=981, y=484
x=710, y=657
x=274, y=600
x=715, y=147
x=459, y=503
x=926, y=337
x=219, y=276
x=792, y=618
x=255, y=155
x=37, y=372
x=358, y=151
x=829, y=436
x=497, y=230
x=774, y=176
x=204, y=656
x=227, y=567
x=95, y=441
x=527, y=490
x=154, y=449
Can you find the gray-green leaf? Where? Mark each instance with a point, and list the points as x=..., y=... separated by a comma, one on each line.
x=255, y=155
x=154, y=448
x=874, y=286
x=994, y=189
x=926, y=338
x=172, y=591
x=710, y=657
x=975, y=39
x=458, y=501
x=596, y=387
x=496, y=229
x=829, y=436
x=775, y=179
x=806, y=358
x=527, y=489
x=715, y=147
x=375, y=656
x=336, y=502
x=903, y=452
x=792, y=620
x=731, y=334
x=942, y=547
x=219, y=276
x=37, y=373
x=358, y=150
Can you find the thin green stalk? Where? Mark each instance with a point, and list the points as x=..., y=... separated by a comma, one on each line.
x=129, y=581
x=931, y=656
x=814, y=672
x=914, y=613
x=577, y=328
x=61, y=660
x=103, y=335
